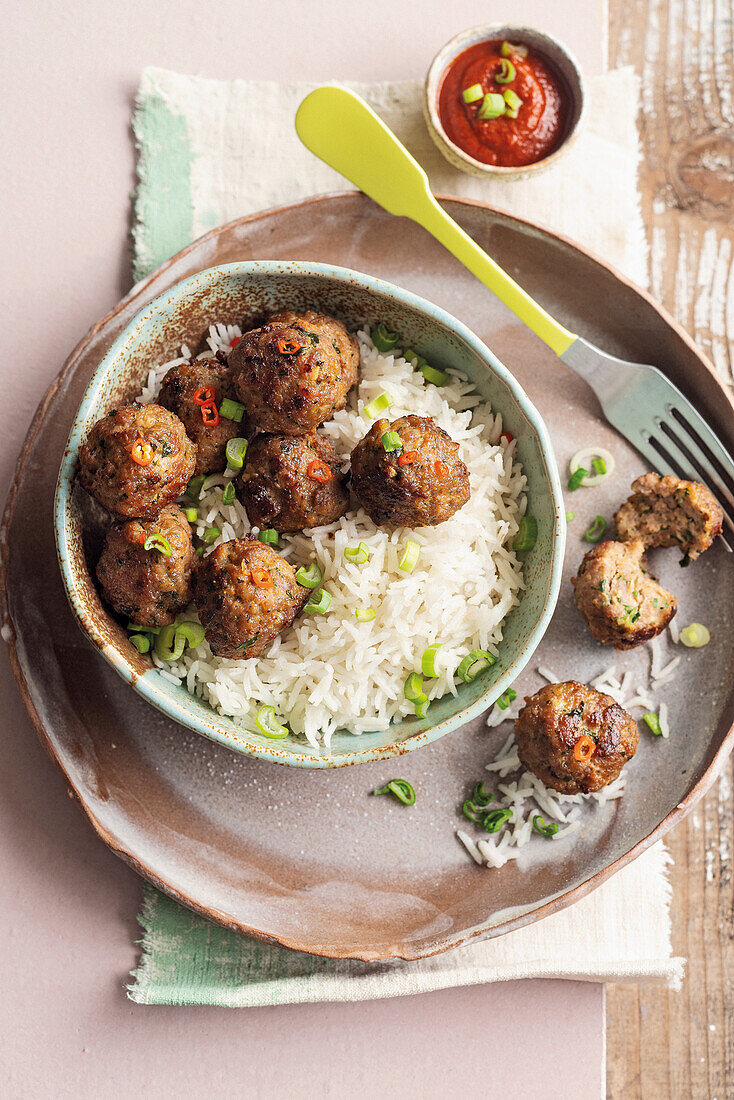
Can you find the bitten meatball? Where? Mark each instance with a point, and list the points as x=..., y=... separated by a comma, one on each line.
x=295, y=371
x=666, y=511
x=183, y=390
x=623, y=605
x=574, y=738
x=136, y=460
x=246, y=594
x=420, y=484
x=292, y=482
x=148, y=586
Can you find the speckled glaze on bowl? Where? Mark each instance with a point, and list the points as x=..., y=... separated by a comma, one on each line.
x=239, y=293
x=562, y=59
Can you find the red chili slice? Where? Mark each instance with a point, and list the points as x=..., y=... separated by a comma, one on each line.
x=288, y=347
x=507, y=437
x=441, y=469
x=141, y=451
x=319, y=470
x=261, y=578
x=203, y=395
x=408, y=457
x=235, y=342
x=210, y=414
x=584, y=748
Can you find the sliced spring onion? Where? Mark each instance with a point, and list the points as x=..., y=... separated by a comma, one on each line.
x=400, y=789
x=310, y=577
x=653, y=722
x=493, y=105
x=200, y=551
x=357, y=555
x=472, y=812
x=391, y=442
x=269, y=536
x=210, y=482
x=527, y=534
x=596, y=531
x=695, y=635
x=169, y=645
x=411, y=553
x=231, y=410
x=421, y=708
x=570, y=516
x=494, y=821
x=599, y=459
x=412, y=356
x=236, y=450
x=364, y=614
x=577, y=477
x=512, y=101
x=513, y=49
x=228, y=493
x=269, y=725
x=480, y=797
x=506, y=73
x=474, y=663
x=194, y=487
x=384, y=338
x=210, y=535
x=414, y=688
x=431, y=374
x=471, y=95
x=137, y=629
x=506, y=698
x=160, y=543
x=141, y=642
x=540, y=826
x=191, y=631
x=319, y=601
x=192, y=514
x=429, y=666
x=373, y=410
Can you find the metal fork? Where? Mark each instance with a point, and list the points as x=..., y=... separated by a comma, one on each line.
x=638, y=400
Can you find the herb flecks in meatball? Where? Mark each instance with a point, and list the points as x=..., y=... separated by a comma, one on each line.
x=148, y=586
x=291, y=483
x=136, y=460
x=420, y=481
x=246, y=594
x=574, y=739
x=294, y=372
x=189, y=390
x=623, y=605
x=666, y=511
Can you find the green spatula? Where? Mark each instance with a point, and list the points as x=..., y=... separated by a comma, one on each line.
x=638, y=400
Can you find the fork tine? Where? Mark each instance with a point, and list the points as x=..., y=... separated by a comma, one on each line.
x=695, y=428
x=667, y=453
x=687, y=446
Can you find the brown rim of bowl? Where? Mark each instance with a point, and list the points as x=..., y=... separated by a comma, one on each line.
x=556, y=904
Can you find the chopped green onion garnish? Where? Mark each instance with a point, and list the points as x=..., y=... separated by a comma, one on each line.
x=141, y=642
x=391, y=442
x=471, y=95
x=357, y=555
x=210, y=482
x=200, y=551
x=480, y=797
x=596, y=531
x=191, y=631
x=169, y=645
x=600, y=466
x=400, y=789
x=210, y=535
x=549, y=829
x=158, y=542
x=493, y=105
x=421, y=707
x=653, y=722
x=474, y=663
x=310, y=577
x=570, y=516
x=377, y=406
x=268, y=724
x=143, y=629
x=601, y=461
x=695, y=635
x=506, y=698
x=228, y=493
x=494, y=821
x=472, y=812
x=411, y=553
x=231, y=410
x=527, y=534
x=576, y=479
x=414, y=688
x=384, y=338
x=269, y=536
x=235, y=450
x=513, y=101
x=511, y=49
x=193, y=489
x=320, y=601
x=438, y=377
x=364, y=614
x=506, y=73
x=414, y=358
x=191, y=514
x=428, y=660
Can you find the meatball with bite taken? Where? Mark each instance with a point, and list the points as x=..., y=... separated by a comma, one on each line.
x=149, y=586
x=667, y=511
x=409, y=474
x=292, y=482
x=294, y=372
x=136, y=460
x=246, y=594
x=575, y=739
x=189, y=390
x=623, y=605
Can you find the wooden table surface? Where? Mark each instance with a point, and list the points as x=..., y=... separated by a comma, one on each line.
x=662, y=1044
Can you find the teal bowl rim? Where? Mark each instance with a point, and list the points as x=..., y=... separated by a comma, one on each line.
x=153, y=687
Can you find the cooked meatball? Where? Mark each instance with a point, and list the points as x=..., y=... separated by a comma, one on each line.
x=419, y=486
x=574, y=738
x=292, y=482
x=666, y=511
x=148, y=586
x=246, y=594
x=295, y=371
x=177, y=393
x=622, y=604
x=136, y=460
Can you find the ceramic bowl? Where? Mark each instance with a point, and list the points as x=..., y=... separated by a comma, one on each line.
x=561, y=58
x=239, y=293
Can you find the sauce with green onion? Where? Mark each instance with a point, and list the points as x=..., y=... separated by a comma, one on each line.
x=503, y=104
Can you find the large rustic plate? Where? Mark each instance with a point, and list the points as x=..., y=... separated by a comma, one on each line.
x=308, y=859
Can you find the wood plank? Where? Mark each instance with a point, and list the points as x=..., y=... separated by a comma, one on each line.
x=662, y=1044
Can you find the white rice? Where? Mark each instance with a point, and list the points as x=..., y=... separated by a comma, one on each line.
x=330, y=672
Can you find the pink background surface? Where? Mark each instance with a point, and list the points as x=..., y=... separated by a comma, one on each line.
x=67, y=907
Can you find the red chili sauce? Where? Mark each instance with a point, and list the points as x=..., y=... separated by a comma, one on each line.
x=540, y=125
